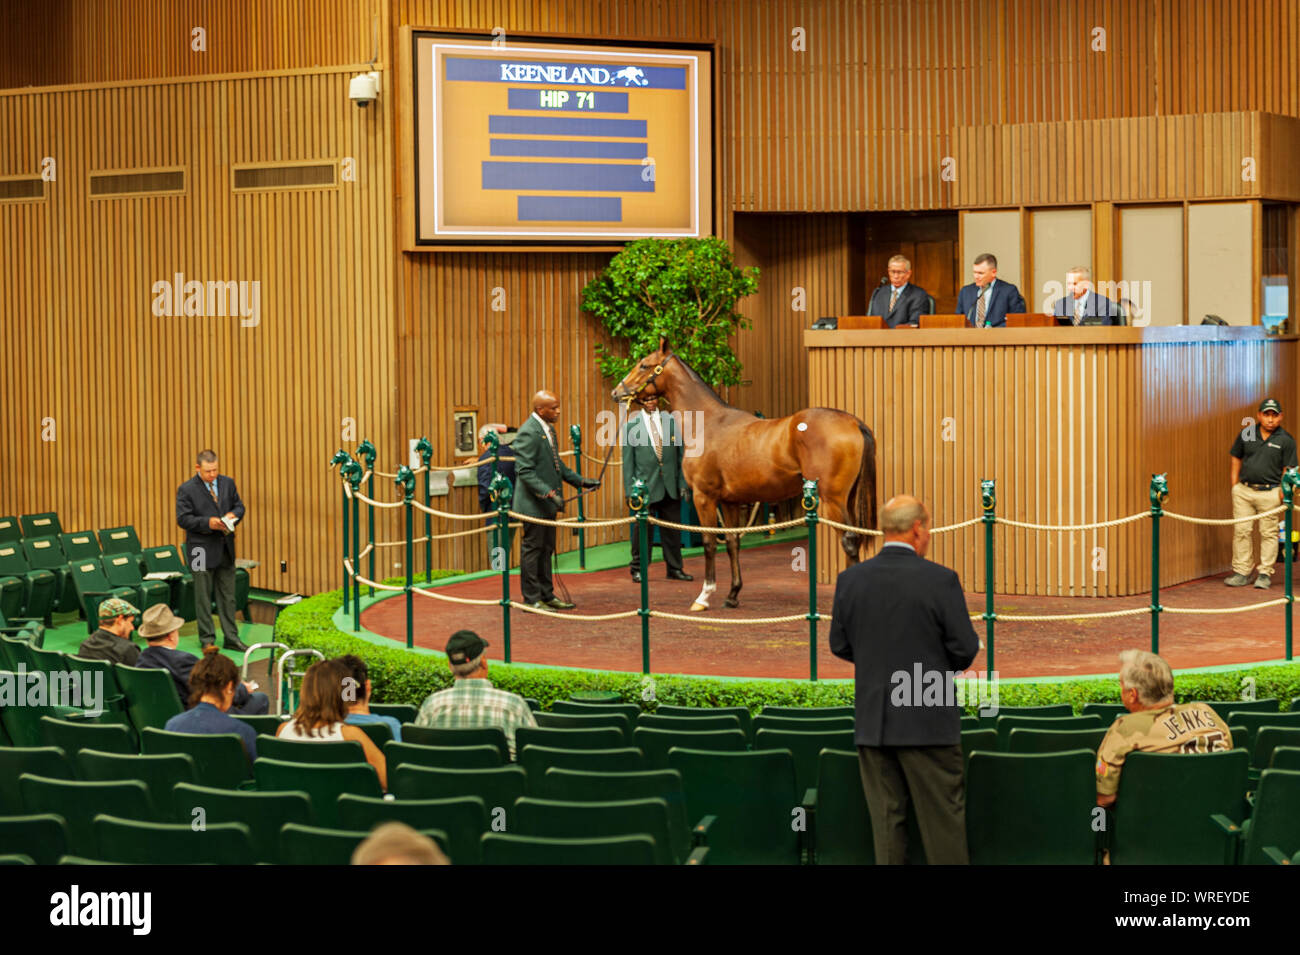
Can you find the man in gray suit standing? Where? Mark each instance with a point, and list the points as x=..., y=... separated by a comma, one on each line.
x=652, y=453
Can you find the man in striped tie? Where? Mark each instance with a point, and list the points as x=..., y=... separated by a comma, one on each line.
x=652, y=453
x=897, y=300
x=207, y=509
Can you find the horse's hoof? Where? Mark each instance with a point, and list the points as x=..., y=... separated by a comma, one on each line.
x=697, y=607
x=731, y=602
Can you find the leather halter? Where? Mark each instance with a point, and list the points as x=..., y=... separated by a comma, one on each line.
x=654, y=376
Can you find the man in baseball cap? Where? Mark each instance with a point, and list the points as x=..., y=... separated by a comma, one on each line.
x=1259, y=455
x=472, y=701
x=112, y=641
x=161, y=628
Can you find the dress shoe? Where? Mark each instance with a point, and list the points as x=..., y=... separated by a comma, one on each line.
x=555, y=603
x=1237, y=580
x=636, y=576
x=1263, y=581
x=679, y=575
x=538, y=605
x=234, y=644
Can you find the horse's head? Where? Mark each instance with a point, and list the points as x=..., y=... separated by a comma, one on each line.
x=643, y=379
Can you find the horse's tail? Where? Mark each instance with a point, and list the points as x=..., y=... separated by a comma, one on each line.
x=865, y=487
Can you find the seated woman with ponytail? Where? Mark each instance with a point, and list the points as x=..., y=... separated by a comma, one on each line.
x=213, y=683
x=322, y=711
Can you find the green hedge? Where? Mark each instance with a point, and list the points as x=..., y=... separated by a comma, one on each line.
x=402, y=677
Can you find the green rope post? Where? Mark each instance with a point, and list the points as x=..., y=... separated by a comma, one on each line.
x=353, y=472
x=811, y=500
x=341, y=458
x=1290, y=478
x=367, y=451
x=406, y=481
x=989, y=501
x=1159, y=491
x=575, y=434
x=425, y=447
x=642, y=509
x=502, y=493
x=494, y=446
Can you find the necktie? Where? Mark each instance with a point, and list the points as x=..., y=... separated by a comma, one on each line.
x=1078, y=311
x=981, y=309
x=893, y=300
x=213, y=491
x=656, y=438
x=550, y=436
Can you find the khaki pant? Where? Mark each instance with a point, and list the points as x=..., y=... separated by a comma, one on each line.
x=1245, y=502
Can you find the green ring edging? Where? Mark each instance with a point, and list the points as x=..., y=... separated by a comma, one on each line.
x=319, y=622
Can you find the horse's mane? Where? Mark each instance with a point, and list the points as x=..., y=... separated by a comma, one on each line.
x=695, y=376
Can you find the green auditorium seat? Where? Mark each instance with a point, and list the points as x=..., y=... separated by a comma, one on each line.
x=618, y=721
x=432, y=736
x=72, y=736
x=1272, y=833
x=806, y=746
x=22, y=724
x=1226, y=708
x=41, y=837
x=16, y=859
x=751, y=796
x=78, y=802
x=93, y=588
x=569, y=785
x=45, y=524
x=1006, y=724
x=463, y=819
x=309, y=751
x=503, y=848
x=970, y=723
x=656, y=743
x=119, y=540
x=402, y=712
x=1285, y=757
x=80, y=545
x=533, y=704
x=113, y=698
x=630, y=710
x=739, y=712
x=1252, y=722
x=809, y=712
x=25, y=591
x=309, y=845
x=990, y=720
x=978, y=741
x=45, y=553
x=265, y=813
x=159, y=773
x=123, y=570
x=1024, y=740
x=552, y=819
x=498, y=787
x=323, y=783
x=18, y=653
x=28, y=628
x=48, y=661
x=536, y=760
x=691, y=724
x=597, y=737
x=264, y=725
x=443, y=757
x=841, y=824
x=1164, y=804
x=220, y=760
x=48, y=761
x=381, y=734
x=133, y=842
x=1031, y=808
x=10, y=530
x=150, y=693
x=1109, y=712
x=82, y=860
x=167, y=560
x=802, y=724
x=1267, y=741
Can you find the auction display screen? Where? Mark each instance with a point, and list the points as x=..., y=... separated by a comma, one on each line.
x=547, y=140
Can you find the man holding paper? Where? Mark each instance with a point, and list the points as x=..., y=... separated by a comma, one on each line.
x=207, y=509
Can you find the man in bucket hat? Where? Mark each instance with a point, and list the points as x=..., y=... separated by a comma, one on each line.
x=162, y=629
x=1259, y=455
x=112, y=641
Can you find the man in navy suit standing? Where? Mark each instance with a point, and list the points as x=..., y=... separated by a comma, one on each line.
x=902, y=621
x=898, y=301
x=207, y=507
x=987, y=300
x=1081, y=305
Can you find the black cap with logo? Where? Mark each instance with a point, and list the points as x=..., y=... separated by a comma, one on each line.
x=464, y=646
x=1270, y=404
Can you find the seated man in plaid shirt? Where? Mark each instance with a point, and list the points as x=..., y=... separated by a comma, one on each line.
x=472, y=702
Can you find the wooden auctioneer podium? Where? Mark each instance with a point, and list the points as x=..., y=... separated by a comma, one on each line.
x=1071, y=422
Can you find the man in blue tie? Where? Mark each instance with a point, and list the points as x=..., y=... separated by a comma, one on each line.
x=207, y=508
x=987, y=300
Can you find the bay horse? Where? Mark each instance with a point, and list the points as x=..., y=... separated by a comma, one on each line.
x=744, y=460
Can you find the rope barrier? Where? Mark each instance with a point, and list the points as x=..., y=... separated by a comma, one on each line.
x=759, y=529
x=956, y=527
x=1227, y=520
x=1074, y=527
x=566, y=615
x=849, y=527
x=665, y=615
x=572, y=522
x=1134, y=612
x=451, y=515
x=1280, y=601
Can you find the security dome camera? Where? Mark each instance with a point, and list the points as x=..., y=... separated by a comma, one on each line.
x=364, y=89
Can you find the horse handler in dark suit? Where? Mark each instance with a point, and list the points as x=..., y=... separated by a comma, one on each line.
x=540, y=493
x=203, y=504
x=902, y=621
x=652, y=453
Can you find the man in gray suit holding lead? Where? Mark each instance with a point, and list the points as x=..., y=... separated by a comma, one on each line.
x=902, y=621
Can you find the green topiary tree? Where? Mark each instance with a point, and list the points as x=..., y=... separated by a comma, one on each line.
x=684, y=290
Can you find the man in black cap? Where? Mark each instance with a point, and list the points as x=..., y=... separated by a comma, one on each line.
x=472, y=701
x=1259, y=455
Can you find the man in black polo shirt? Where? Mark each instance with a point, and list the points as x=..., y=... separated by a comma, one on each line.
x=1259, y=455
